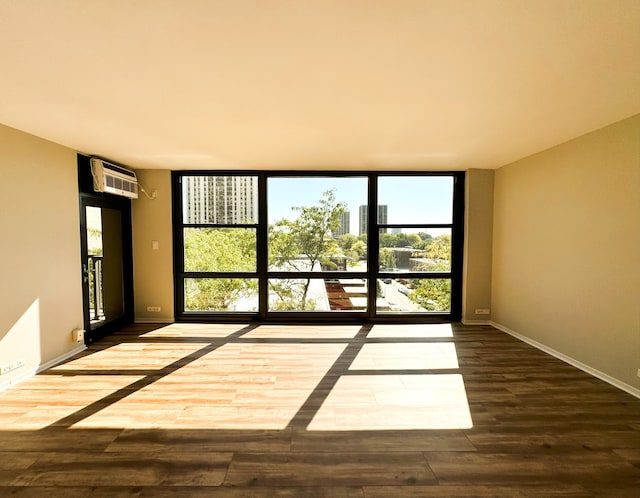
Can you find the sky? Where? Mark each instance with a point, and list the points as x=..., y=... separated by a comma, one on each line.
x=421, y=199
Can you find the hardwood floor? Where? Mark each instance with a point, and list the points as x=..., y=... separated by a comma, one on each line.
x=309, y=411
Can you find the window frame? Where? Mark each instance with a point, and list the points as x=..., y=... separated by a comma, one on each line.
x=371, y=275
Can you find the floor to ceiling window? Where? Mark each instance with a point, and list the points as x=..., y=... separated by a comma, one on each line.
x=218, y=244
x=312, y=262
x=335, y=246
x=414, y=227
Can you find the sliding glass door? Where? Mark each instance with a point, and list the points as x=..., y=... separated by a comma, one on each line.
x=340, y=246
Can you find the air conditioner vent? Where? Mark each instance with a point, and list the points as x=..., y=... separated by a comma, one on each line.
x=113, y=179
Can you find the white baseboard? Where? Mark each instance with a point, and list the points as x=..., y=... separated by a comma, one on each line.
x=571, y=361
x=41, y=368
x=476, y=322
x=61, y=358
x=153, y=320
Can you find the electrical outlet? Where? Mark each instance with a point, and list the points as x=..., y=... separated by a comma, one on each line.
x=483, y=311
x=77, y=335
x=638, y=372
x=10, y=367
x=153, y=308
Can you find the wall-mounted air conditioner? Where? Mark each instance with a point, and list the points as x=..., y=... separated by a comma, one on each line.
x=113, y=179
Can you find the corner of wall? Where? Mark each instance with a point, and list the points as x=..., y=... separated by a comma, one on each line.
x=566, y=271
x=478, y=240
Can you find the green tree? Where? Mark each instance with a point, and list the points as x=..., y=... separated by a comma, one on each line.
x=300, y=244
x=358, y=251
x=432, y=294
x=94, y=241
x=439, y=248
x=218, y=250
x=414, y=240
x=346, y=241
x=388, y=240
x=387, y=258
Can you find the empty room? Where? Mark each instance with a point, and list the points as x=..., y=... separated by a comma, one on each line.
x=324, y=248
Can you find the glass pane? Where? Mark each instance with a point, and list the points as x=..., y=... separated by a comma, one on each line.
x=415, y=199
x=220, y=249
x=416, y=250
x=220, y=199
x=94, y=230
x=313, y=224
x=414, y=295
x=221, y=294
x=104, y=265
x=317, y=294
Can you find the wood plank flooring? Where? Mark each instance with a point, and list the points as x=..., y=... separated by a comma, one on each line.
x=317, y=411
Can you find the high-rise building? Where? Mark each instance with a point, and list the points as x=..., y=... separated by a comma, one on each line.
x=345, y=224
x=382, y=216
x=220, y=199
x=364, y=218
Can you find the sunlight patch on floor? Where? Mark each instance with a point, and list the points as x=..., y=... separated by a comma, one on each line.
x=407, y=356
x=132, y=356
x=369, y=402
x=237, y=386
x=247, y=377
x=404, y=331
x=304, y=332
x=198, y=330
x=32, y=406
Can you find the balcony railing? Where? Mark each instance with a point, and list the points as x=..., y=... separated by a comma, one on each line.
x=96, y=298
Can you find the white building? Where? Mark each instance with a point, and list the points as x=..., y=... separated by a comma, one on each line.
x=220, y=199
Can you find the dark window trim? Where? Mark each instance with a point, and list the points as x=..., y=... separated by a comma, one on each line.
x=373, y=273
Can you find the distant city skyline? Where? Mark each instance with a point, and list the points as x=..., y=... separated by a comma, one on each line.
x=409, y=200
x=401, y=199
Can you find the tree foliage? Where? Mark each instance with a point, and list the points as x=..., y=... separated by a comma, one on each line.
x=432, y=294
x=301, y=243
x=218, y=250
x=354, y=247
x=387, y=258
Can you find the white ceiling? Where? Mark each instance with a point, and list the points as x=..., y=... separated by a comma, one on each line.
x=326, y=84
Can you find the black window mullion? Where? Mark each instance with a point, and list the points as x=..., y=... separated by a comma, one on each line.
x=317, y=274
x=373, y=256
x=178, y=244
x=416, y=225
x=457, y=245
x=262, y=247
x=219, y=274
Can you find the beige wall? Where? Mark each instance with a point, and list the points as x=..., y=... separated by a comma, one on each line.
x=476, y=281
x=153, y=268
x=566, y=249
x=40, y=278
